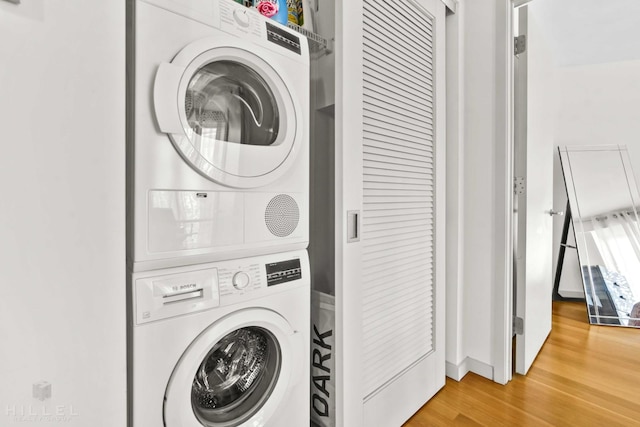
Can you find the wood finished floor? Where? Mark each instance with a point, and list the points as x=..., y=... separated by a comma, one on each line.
x=584, y=376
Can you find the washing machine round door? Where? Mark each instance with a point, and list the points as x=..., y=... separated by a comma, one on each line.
x=236, y=373
x=234, y=116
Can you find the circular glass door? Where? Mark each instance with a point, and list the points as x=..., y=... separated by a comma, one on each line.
x=227, y=101
x=238, y=116
x=236, y=377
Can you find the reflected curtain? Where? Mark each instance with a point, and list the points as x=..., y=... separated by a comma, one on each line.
x=617, y=237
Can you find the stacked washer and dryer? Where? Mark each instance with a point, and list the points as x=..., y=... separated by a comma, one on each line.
x=219, y=283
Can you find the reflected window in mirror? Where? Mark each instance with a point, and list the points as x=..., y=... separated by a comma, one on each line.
x=603, y=197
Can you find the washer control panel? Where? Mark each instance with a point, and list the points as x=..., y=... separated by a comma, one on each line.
x=239, y=278
x=243, y=277
x=168, y=295
x=283, y=271
x=161, y=294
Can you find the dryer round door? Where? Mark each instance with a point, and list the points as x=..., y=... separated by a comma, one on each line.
x=230, y=113
x=236, y=373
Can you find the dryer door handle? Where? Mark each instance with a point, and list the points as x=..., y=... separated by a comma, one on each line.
x=165, y=98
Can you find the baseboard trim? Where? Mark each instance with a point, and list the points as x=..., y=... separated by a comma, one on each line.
x=457, y=372
x=571, y=294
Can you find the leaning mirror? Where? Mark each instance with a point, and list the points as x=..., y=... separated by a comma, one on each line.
x=603, y=199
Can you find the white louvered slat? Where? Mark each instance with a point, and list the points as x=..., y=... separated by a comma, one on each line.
x=391, y=243
x=380, y=298
x=397, y=71
x=389, y=105
x=402, y=339
x=386, y=289
x=398, y=190
x=397, y=143
x=396, y=266
x=406, y=152
x=383, y=107
x=398, y=174
x=420, y=167
x=378, y=116
x=380, y=184
x=379, y=226
x=373, y=159
x=383, y=320
x=401, y=135
x=390, y=85
x=381, y=42
x=378, y=55
x=374, y=208
x=392, y=97
x=393, y=217
x=413, y=122
x=400, y=15
x=391, y=167
x=395, y=150
x=383, y=215
x=397, y=35
x=398, y=232
x=382, y=276
x=374, y=258
x=400, y=68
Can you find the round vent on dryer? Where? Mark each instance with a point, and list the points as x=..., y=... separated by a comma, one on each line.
x=282, y=215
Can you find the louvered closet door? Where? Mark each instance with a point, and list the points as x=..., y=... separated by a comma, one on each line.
x=399, y=206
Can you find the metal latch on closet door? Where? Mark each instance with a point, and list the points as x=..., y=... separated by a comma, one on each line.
x=353, y=226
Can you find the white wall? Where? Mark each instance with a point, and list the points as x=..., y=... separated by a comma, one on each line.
x=62, y=227
x=597, y=105
x=455, y=197
x=476, y=186
x=478, y=178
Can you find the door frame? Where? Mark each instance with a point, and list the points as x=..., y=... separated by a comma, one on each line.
x=503, y=291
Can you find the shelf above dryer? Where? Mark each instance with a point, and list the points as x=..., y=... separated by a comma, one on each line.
x=317, y=43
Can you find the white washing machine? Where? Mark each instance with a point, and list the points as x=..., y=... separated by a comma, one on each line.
x=221, y=344
x=218, y=133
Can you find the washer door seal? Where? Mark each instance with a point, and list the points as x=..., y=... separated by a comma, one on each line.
x=236, y=371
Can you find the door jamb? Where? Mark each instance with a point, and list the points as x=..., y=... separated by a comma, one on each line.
x=503, y=291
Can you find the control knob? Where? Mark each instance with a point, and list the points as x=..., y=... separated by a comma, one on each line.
x=242, y=17
x=240, y=280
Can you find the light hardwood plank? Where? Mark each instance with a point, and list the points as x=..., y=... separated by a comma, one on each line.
x=584, y=376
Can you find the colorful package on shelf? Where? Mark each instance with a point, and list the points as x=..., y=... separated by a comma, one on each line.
x=292, y=8
x=274, y=9
x=300, y=7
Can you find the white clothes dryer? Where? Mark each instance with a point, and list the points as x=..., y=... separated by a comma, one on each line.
x=218, y=133
x=221, y=344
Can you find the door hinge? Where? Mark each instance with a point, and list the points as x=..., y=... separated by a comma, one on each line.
x=519, y=186
x=518, y=325
x=519, y=44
